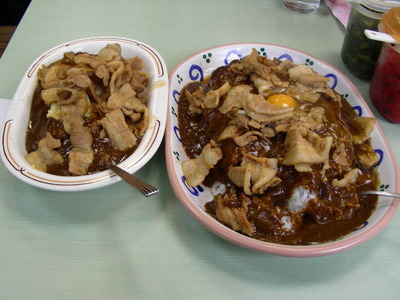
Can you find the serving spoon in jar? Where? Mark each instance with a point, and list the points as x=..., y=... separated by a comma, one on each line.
x=142, y=186
x=381, y=193
x=380, y=36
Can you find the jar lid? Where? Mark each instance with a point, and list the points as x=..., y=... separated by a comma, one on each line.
x=380, y=5
x=391, y=22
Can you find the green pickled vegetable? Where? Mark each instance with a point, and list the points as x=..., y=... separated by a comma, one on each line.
x=358, y=52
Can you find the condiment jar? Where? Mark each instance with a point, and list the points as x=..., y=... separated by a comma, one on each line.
x=384, y=89
x=358, y=52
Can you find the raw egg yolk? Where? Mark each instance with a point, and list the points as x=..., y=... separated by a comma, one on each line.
x=282, y=100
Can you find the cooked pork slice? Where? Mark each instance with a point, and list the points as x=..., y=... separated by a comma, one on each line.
x=244, y=122
x=255, y=174
x=53, y=75
x=81, y=138
x=118, y=68
x=247, y=138
x=366, y=155
x=261, y=110
x=80, y=160
x=103, y=73
x=263, y=86
x=140, y=84
x=251, y=64
x=234, y=98
x=50, y=95
x=79, y=76
x=229, y=132
x=135, y=63
x=212, y=97
x=268, y=132
x=45, y=155
x=118, y=99
x=196, y=170
x=118, y=131
x=195, y=100
x=309, y=84
x=142, y=122
x=68, y=96
x=340, y=156
x=110, y=52
x=63, y=96
x=81, y=155
x=305, y=148
x=349, y=177
x=362, y=127
x=307, y=76
x=236, y=218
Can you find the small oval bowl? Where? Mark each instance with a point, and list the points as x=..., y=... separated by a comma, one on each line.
x=13, y=150
x=200, y=65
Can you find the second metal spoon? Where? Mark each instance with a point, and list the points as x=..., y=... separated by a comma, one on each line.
x=380, y=193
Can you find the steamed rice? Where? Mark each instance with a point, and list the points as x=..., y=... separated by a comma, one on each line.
x=299, y=199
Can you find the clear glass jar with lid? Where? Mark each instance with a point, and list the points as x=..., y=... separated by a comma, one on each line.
x=358, y=52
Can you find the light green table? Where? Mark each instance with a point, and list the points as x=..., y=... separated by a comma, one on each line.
x=112, y=243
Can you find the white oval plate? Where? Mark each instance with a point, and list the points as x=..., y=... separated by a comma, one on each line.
x=200, y=65
x=14, y=130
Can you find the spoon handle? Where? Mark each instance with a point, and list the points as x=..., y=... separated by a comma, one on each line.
x=380, y=193
x=380, y=36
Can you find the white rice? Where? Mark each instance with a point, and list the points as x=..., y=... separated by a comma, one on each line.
x=299, y=199
x=218, y=188
x=287, y=223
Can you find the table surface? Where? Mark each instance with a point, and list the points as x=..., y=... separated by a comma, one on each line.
x=113, y=243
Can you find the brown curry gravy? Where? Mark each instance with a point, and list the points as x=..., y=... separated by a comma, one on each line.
x=39, y=124
x=197, y=130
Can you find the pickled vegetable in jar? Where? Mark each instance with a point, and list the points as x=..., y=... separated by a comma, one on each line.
x=385, y=85
x=384, y=89
x=358, y=52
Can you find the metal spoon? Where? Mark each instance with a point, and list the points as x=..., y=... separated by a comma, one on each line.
x=381, y=193
x=142, y=186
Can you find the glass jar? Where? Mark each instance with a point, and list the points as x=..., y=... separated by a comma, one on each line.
x=384, y=89
x=358, y=52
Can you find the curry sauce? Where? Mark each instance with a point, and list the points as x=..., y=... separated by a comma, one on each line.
x=337, y=211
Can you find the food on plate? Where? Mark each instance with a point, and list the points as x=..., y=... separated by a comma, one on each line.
x=88, y=110
x=284, y=155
